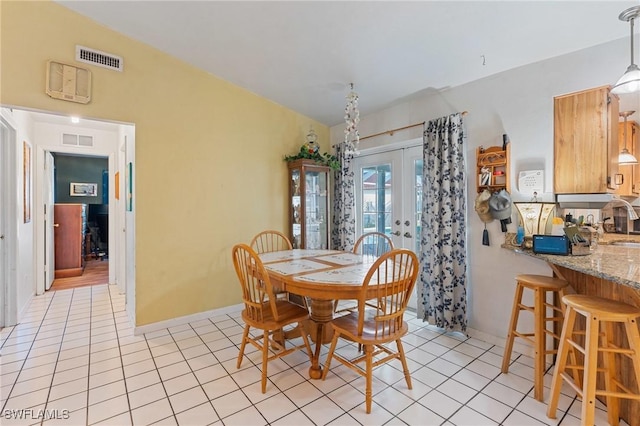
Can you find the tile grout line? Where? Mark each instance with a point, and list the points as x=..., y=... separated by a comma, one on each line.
x=64, y=329
x=28, y=352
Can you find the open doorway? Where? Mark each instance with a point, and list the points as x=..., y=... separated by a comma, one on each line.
x=80, y=195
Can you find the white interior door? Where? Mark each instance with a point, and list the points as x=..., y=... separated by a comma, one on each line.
x=3, y=199
x=49, y=219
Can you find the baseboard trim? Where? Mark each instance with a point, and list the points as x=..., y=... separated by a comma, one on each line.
x=173, y=322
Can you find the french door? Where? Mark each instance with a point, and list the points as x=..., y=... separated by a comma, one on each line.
x=389, y=195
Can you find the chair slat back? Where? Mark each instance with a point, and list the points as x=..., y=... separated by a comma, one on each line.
x=392, y=277
x=270, y=240
x=257, y=291
x=373, y=244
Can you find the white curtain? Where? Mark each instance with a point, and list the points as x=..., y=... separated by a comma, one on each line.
x=442, y=295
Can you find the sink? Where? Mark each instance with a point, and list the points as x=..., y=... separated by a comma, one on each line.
x=626, y=243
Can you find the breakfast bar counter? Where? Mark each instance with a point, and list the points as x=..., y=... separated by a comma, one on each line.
x=609, y=271
x=616, y=263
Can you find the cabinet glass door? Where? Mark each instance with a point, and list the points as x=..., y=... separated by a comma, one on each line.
x=309, y=205
x=316, y=210
x=296, y=225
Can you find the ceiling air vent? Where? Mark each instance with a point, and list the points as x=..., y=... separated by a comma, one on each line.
x=101, y=59
x=76, y=140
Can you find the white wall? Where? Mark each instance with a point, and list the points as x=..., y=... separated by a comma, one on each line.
x=20, y=292
x=518, y=102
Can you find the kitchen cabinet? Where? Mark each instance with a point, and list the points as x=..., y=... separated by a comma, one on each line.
x=628, y=177
x=585, y=129
x=69, y=239
x=492, y=168
x=309, y=204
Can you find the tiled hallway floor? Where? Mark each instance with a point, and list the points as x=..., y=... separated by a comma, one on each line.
x=75, y=358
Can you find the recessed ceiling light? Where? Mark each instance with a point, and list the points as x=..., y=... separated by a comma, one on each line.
x=75, y=120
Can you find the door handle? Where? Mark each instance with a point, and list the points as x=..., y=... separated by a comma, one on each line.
x=397, y=233
x=407, y=235
x=397, y=221
x=55, y=225
x=407, y=223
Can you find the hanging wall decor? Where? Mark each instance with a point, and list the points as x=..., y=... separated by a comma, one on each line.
x=26, y=181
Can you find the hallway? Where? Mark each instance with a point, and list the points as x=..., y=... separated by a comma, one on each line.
x=95, y=272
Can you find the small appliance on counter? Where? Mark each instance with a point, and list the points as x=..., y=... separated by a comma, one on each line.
x=551, y=244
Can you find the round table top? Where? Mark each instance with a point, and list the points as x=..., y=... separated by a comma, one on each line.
x=321, y=274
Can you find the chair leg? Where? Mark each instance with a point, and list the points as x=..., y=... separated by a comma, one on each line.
x=327, y=363
x=539, y=315
x=561, y=361
x=305, y=339
x=572, y=352
x=245, y=336
x=405, y=367
x=633, y=336
x=515, y=313
x=590, y=371
x=609, y=364
x=368, y=349
x=265, y=355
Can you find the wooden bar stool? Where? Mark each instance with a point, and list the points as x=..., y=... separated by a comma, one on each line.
x=540, y=285
x=596, y=310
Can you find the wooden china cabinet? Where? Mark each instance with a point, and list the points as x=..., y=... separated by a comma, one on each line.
x=309, y=204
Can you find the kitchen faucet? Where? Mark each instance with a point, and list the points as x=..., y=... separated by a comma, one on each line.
x=619, y=202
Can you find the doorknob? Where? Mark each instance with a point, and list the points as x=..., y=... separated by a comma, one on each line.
x=397, y=221
x=407, y=235
x=407, y=223
x=397, y=233
x=55, y=225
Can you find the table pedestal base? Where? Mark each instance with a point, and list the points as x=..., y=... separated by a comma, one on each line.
x=321, y=313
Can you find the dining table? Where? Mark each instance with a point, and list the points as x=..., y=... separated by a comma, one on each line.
x=321, y=277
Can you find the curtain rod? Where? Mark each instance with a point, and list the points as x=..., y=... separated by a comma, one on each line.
x=392, y=131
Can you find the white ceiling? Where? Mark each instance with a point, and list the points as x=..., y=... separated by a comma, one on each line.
x=304, y=54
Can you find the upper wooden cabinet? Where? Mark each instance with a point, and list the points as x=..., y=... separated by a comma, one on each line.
x=628, y=177
x=585, y=141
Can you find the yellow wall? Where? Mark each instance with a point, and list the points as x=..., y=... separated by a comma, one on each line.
x=209, y=169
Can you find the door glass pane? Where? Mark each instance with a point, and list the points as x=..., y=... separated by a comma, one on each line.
x=376, y=199
x=417, y=219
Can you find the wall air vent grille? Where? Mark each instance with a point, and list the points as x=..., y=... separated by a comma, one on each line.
x=101, y=59
x=77, y=140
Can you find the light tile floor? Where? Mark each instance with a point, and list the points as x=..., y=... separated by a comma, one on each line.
x=74, y=360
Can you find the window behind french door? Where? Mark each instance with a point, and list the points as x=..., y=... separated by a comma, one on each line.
x=389, y=195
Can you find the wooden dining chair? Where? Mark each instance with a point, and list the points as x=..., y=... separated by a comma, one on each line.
x=371, y=245
x=263, y=311
x=270, y=240
x=390, y=281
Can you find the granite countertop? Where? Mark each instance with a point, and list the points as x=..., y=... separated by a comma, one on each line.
x=619, y=264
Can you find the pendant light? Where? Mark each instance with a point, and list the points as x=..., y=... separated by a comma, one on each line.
x=630, y=81
x=625, y=156
x=352, y=118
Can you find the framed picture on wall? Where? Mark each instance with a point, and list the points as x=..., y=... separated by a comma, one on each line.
x=26, y=180
x=83, y=189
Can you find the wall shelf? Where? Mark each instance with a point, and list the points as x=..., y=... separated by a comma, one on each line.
x=492, y=168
